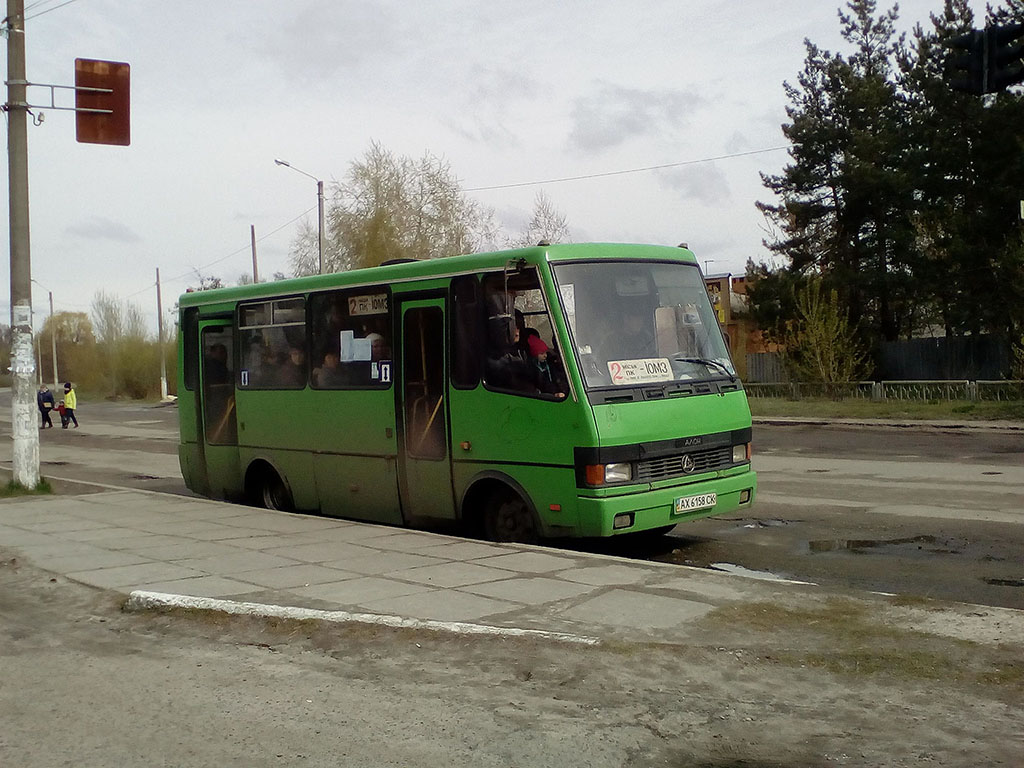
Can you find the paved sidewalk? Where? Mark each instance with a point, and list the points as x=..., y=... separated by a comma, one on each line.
x=938, y=424
x=137, y=540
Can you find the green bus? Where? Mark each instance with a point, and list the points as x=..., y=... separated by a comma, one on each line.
x=575, y=390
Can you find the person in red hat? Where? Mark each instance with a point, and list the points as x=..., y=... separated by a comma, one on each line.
x=549, y=378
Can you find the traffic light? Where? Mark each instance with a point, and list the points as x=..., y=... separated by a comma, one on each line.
x=1005, y=56
x=966, y=66
x=986, y=61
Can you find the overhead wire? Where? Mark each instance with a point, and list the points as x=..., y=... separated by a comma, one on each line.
x=626, y=171
x=41, y=13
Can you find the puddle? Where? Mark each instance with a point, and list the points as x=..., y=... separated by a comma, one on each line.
x=1005, y=582
x=739, y=570
x=818, y=471
x=144, y=477
x=856, y=545
x=991, y=473
x=56, y=463
x=767, y=524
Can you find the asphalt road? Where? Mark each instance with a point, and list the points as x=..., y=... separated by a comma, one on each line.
x=917, y=511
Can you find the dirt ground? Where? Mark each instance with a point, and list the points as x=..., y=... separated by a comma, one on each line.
x=758, y=686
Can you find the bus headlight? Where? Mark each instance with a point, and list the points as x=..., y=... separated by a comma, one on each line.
x=600, y=474
x=618, y=473
x=741, y=453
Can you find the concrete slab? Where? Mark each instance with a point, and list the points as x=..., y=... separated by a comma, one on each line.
x=470, y=550
x=532, y=591
x=527, y=562
x=240, y=562
x=79, y=562
x=358, y=591
x=625, y=608
x=294, y=576
x=63, y=524
x=133, y=575
x=321, y=552
x=137, y=540
x=187, y=550
x=202, y=586
x=401, y=540
x=381, y=562
x=607, y=575
x=441, y=605
x=450, y=574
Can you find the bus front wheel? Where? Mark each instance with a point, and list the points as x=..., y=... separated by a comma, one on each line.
x=508, y=518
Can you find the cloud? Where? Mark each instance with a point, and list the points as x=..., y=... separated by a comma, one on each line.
x=100, y=228
x=613, y=114
x=322, y=39
x=705, y=183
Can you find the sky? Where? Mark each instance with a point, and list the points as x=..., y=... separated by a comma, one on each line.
x=517, y=93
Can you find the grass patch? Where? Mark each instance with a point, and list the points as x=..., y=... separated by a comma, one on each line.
x=956, y=410
x=13, y=489
x=858, y=646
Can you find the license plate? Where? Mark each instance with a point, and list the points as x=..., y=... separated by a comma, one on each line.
x=691, y=503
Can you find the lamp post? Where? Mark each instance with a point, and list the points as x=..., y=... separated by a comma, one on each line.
x=319, y=200
x=706, y=262
x=53, y=337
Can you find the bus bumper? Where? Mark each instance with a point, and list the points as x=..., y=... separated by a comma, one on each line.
x=655, y=508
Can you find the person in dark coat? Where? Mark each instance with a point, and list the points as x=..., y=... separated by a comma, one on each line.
x=44, y=399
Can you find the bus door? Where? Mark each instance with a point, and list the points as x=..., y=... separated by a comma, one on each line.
x=218, y=424
x=425, y=480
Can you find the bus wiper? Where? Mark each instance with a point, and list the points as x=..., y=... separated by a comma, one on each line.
x=709, y=363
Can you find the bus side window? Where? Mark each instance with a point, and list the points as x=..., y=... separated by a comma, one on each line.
x=466, y=331
x=272, y=336
x=520, y=352
x=351, y=338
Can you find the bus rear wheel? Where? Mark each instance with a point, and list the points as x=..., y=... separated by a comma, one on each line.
x=508, y=518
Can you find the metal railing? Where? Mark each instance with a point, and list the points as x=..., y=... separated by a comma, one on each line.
x=964, y=390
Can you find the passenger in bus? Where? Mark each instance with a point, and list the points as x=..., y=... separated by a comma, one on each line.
x=549, y=376
x=525, y=334
x=292, y=372
x=507, y=366
x=330, y=375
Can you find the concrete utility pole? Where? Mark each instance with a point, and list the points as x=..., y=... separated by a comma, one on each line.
x=53, y=344
x=24, y=431
x=255, y=271
x=160, y=338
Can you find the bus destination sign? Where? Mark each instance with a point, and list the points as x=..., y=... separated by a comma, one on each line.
x=376, y=304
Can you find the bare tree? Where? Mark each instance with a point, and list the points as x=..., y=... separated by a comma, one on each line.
x=546, y=224
x=392, y=206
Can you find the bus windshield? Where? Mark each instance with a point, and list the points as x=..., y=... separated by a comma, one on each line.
x=641, y=322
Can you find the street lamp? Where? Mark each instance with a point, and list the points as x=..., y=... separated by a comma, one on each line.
x=319, y=200
x=706, y=262
x=53, y=336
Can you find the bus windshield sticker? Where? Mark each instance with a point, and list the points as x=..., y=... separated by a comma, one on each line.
x=355, y=350
x=640, y=371
x=376, y=304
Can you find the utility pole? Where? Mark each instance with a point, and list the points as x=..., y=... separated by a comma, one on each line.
x=320, y=205
x=24, y=432
x=160, y=338
x=255, y=271
x=53, y=344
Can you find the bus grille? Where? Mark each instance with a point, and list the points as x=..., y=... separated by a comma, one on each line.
x=666, y=467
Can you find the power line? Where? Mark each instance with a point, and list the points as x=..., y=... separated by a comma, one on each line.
x=200, y=269
x=628, y=170
x=53, y=8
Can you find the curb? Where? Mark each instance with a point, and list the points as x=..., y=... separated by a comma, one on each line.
x=964, y=426
x=141, y=600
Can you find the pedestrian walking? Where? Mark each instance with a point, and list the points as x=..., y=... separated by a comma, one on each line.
x=70, y=403
x=44, y=399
